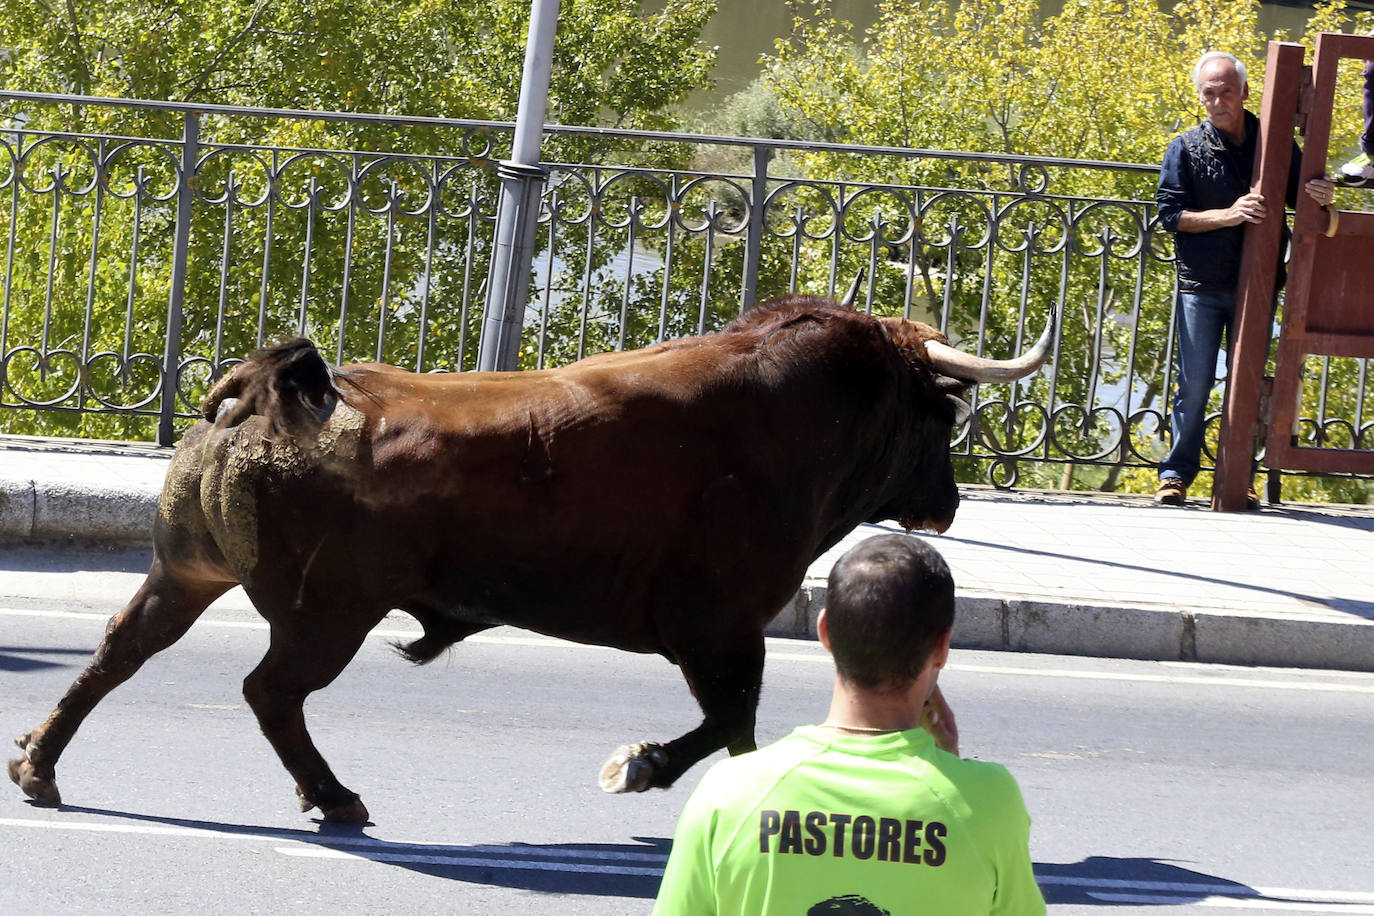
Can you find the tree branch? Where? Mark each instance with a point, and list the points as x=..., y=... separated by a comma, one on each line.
x=83, y=76
x=198, y=83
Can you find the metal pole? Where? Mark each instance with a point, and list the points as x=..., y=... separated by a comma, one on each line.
x=753, y=244
x=517, y=215
x=171, y=358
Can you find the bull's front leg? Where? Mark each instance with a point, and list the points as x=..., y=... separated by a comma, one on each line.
x=158, y=615
x=726, y=684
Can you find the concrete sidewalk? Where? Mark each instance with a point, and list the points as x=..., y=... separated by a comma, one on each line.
x=1081, y=574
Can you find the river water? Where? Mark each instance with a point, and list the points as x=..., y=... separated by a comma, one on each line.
x=744, y=30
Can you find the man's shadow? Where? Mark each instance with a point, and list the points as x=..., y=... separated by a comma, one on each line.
x=1115, y=882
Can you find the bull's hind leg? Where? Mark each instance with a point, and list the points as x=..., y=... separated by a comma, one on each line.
x=158, y=615
x=296, y=665
x=726, y=684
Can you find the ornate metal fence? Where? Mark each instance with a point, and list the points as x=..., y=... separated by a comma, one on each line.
x=139, y=265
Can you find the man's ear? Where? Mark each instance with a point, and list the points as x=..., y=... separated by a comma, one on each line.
x=940, y=654
x=823, y=630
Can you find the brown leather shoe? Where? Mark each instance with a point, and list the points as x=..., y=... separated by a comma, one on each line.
x=1172, y=492
x=1252, y=499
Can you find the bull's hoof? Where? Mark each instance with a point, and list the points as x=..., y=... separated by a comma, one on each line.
x=349, y=811
x=631, y=768
x=39, y=788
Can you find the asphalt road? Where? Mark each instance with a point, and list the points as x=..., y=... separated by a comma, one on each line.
x=1153, y=786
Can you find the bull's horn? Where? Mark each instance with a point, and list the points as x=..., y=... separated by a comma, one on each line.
x=849, y=297
x=972, y=368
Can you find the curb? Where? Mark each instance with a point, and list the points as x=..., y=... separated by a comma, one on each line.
x=37, y=510
x=123, y=514
x=1208, y=635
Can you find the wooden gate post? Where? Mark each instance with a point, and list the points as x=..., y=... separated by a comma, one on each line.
x=1329, y=306
x=1258, y=269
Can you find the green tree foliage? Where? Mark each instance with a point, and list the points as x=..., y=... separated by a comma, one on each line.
x=613, y=64
x=1100, y=80
x=367, y=284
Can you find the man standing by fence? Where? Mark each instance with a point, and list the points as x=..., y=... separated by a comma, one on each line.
x=1205, y=199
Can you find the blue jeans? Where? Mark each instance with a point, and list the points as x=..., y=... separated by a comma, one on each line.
x=1367, y=138
x=1202, y=318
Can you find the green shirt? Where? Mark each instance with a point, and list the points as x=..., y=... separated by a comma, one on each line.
x=826, y=822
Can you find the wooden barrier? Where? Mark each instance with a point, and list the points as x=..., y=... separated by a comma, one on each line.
x=1329, y=303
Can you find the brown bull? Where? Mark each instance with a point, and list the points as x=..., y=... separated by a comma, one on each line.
x=662, y=500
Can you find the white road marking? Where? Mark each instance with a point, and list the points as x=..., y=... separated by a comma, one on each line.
x=104, y=618
x=149, y=830
x=1200, y=681
x=1146, y=678
x=1198, y=888
x=1311, y=680
x=326, y=846
x=1234, y=903
x=1260, y=669
x=453, y=860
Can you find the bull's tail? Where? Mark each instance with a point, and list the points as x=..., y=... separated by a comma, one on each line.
x=442, y=630
x=290, y=385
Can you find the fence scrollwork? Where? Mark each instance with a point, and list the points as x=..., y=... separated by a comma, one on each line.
x=383, y=254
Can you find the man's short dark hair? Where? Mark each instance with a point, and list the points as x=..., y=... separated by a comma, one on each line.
x=889, y=601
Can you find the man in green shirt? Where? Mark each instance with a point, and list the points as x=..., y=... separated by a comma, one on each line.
x=864, y=813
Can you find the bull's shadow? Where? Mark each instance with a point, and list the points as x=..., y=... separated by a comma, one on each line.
x=19, y=659
x=65, y=556
x=631, y=870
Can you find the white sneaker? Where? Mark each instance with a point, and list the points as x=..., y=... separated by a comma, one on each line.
x=1356, y=173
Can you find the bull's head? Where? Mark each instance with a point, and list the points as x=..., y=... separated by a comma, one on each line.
x=965, y=367
x=946, y=374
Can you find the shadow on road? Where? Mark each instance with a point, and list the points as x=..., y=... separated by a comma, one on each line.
x=62, y=556
x=598, y=869
x=1115, y=882
x=19, y=660
x=634, y=869
x=595, y=869
x=1357, y=606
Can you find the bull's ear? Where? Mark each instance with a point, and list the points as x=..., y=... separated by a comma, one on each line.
x=962, y=410
x=954, y=389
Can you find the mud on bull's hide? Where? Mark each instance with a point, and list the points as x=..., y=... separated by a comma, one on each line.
x=222, y=488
